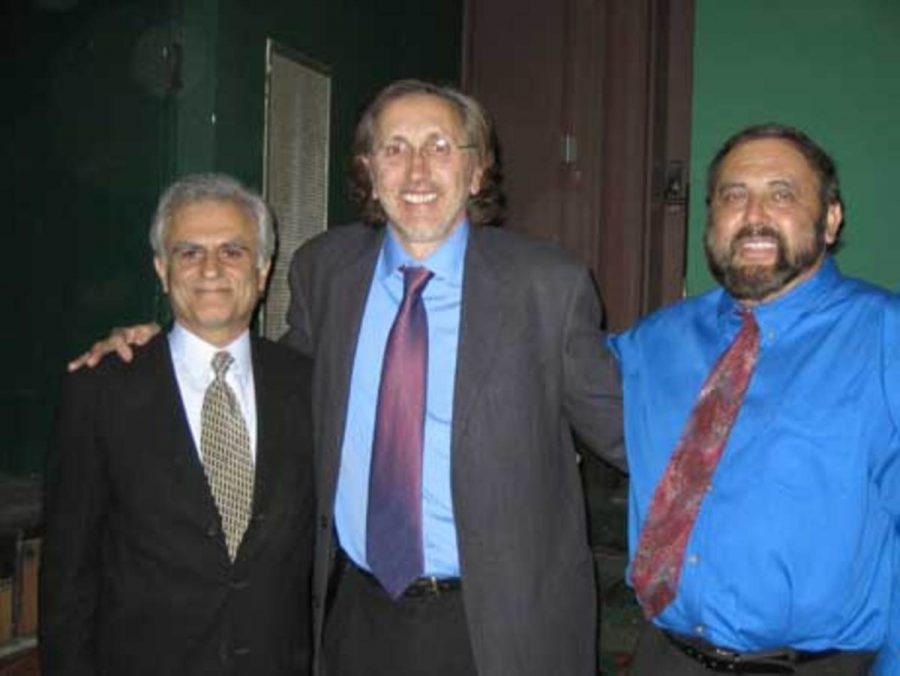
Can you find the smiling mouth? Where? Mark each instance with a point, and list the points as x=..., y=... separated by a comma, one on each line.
x=419, y=198
x=753, y=248
x=759, y=244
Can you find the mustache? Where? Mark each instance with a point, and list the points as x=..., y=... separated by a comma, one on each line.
x=757, y=230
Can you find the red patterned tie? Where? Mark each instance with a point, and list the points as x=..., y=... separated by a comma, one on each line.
x=656, y=568
x=394, y=516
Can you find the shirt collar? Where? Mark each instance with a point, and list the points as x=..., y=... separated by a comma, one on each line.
x=446, y=262
x=777, y=316
x=195, y=354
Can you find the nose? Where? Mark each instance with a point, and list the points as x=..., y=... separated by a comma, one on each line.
x=209, y=266
x=418, y=164
x=755, y=211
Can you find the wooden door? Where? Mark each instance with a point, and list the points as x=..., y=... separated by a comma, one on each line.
x=592, y=104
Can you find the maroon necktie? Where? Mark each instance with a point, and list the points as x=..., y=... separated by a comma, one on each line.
x=394, y=517
x=656, y=568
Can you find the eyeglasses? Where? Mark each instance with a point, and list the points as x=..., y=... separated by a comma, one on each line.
x=437, y=149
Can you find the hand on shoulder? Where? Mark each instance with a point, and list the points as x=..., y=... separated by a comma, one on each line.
x=120, y=340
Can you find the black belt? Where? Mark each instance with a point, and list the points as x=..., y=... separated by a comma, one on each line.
x=424, y=587
x=714, y=658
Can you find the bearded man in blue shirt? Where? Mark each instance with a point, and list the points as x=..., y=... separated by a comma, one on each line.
x=781, y=553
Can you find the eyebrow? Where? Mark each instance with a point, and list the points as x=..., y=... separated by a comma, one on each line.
x=182, y=244
x=774, y=183
x=726, y=185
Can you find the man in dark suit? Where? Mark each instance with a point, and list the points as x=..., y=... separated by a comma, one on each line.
x=481, y=565
x=179, y=501
x=516, y=364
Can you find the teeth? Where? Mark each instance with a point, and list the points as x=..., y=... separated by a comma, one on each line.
x=759, y=244
x=419, y=198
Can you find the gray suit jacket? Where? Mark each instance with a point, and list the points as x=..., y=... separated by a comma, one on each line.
x=532, y=369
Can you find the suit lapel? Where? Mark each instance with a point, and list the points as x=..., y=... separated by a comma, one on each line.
x=271, y=447
x=486, y=288
x=176, y=441
x=345, y=299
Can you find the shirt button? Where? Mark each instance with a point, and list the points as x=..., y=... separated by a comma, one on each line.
x=700, y=629
x=693, y=559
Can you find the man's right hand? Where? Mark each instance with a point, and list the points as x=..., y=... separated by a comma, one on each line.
x=120, y=341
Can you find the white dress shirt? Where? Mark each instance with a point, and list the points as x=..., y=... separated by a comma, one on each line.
x=192, y=357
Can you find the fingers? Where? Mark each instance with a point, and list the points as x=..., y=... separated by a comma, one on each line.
x=78, y=362
x=120, y=341
x=140, y=334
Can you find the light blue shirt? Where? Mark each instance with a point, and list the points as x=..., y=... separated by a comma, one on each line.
x=442, y=297
x=796, y=543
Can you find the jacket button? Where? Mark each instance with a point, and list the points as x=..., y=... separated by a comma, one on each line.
x=237, y=585
x=212, y=530
x=323, y=522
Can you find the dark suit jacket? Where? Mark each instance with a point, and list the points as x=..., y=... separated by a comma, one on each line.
x=136, y=578
x=532, y=368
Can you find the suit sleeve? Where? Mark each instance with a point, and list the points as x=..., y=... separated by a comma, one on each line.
x=299, y=334
x=74, y=512
x=592, y=393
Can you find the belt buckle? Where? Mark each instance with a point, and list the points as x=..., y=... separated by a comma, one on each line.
x=423, y=588
x=432, y=586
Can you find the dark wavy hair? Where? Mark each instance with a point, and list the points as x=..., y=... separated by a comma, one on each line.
x=819, y=161
x=486, y=207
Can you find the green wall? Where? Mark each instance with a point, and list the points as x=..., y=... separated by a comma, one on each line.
x=364, y=43
x=87, y=132
x=829, y=67
x=93, y=136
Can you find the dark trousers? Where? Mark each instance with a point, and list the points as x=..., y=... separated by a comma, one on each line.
x=369, y=634
x=656, y=656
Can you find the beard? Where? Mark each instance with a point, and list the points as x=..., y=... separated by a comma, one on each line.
x=758, y=282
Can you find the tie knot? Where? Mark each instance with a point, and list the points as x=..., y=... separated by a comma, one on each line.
x=748, y=322
x=414, y=280
x=220, y=363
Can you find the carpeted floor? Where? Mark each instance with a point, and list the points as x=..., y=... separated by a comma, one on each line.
x=606, y=491
x=23, y=663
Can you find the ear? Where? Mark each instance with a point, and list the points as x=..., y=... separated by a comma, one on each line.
x=263, y=276
x=475, y=182
x=161, y=272
x=834, y=217
x=367, y=164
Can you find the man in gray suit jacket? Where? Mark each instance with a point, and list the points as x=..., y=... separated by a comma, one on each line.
x=516, y=365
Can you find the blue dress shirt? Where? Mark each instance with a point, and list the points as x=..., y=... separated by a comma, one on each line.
x=796, y=542
x=442, y=298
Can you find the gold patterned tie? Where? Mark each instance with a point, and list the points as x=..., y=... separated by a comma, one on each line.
x=225, y=445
